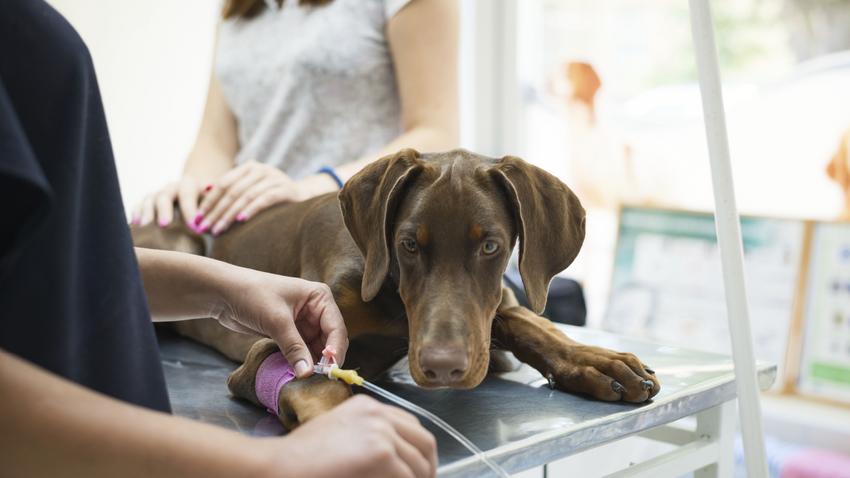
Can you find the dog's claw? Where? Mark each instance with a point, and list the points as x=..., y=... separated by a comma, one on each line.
x=618, y=387
x=647, y=384
x=551, y=379
x=649, y=370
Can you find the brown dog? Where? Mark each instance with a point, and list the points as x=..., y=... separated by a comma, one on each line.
x=414, y=249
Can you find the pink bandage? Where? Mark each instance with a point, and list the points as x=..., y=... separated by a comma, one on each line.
x=273, y=374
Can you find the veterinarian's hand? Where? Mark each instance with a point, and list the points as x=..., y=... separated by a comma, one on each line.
x=301, y=316
x=361, y=437
x=249, y=188
x=159, y=206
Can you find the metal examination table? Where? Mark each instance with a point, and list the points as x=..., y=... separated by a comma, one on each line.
x=514, y=417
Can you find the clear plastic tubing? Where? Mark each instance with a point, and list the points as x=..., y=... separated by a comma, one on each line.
x=439, y=422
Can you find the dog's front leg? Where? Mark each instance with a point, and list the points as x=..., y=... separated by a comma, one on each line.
x=299, y=400
x=601, y=373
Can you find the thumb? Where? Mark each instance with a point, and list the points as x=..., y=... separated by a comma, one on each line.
x=294, y=349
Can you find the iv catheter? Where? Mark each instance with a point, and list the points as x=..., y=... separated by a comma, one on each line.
x=327, y=366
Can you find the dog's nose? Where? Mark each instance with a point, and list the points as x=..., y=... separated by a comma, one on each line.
x=443, y=365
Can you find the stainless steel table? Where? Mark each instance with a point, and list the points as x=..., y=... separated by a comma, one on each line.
x=515, y=417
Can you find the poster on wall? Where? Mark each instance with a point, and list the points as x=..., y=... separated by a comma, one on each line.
x=825, y=362
x=667, y=283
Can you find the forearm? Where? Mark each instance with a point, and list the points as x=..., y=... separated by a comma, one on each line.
x=215, y=148
x=53, y=427
x=207, y=161
x=182, y=286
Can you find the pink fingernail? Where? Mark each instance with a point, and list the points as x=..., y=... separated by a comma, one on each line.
x=208, y=188
x=198, y=218
x=204, y=227
x=241, y=216
x=163, y=223
x=217, y=230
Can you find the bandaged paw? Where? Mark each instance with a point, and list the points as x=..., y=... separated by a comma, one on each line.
x=274, y=373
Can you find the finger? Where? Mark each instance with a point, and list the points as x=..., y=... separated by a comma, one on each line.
x=333, y=327
x=164, y=205
x=239, y=204
x=409, y=428
x=136, y=216
x=187, y=197
x=269, y=198
x=419, y=466
x=225, y=181
x=397, y=468
x=321, y=324
x=147, y=210
x=231, y=195
x=293, y=347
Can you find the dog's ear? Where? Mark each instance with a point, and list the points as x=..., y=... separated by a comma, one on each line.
x=368, y=202
x=550, y=221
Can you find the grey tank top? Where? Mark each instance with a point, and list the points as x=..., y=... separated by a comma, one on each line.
x=311, y=86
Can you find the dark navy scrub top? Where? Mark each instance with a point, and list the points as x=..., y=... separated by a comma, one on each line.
x=71, y=297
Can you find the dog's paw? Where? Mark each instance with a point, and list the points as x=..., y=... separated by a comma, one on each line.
x=304, y=399
x=241, y=381
x=299, y=400
x=603, y=374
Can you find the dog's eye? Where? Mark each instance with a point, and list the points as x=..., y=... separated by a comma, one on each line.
x=409, y=245
x=489, y=247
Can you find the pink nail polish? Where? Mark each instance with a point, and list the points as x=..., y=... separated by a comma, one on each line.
x=136, y=221
x=208, y=188
x=163, y=223
x=241, y=216
x=217, y=229
x=198, y=218
x=204, y=227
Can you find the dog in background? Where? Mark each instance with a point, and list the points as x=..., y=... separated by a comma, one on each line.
x=838, y=170
x=413, y=249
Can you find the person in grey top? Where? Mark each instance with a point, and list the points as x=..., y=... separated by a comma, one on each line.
x=304, y=93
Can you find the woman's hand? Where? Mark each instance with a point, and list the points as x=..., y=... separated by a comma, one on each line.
x=160, y=205
x=249, y=188
x=299, y=315
x=360, y=437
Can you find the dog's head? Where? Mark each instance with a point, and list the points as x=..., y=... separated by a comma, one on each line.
x=444, y=225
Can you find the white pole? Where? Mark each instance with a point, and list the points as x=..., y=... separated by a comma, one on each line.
x=729, y=239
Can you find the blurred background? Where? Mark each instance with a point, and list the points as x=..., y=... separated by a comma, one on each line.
x=603, y=94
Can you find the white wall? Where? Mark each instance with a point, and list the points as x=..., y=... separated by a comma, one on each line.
x=153, y=61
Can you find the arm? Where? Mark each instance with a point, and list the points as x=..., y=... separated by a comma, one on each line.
x=301, y=316
x=217, y=142
x=423, y=39
x=53, y=427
